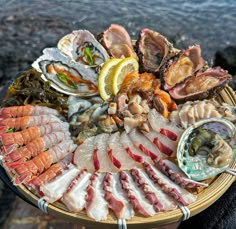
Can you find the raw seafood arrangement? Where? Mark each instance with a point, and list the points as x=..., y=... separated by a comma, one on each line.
x=109, y=125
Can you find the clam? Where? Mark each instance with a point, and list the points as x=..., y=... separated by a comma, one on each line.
x=66, y=79
x=206, y=148
x=202, y=85
x=153, y=49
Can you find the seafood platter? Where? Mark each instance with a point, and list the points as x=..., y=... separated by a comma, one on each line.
x=109, y=131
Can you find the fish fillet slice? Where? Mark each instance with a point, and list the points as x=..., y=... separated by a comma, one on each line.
x=118, y=151
x=135, y=196
x=74, y=198
x=96, y=206
x=54, y=190
x=169, y=187
x=83, y=156
x=116, y=198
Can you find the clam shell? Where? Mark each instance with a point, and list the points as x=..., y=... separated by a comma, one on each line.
x=196, y=168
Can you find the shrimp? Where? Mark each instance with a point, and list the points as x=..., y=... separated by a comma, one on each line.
x=25, y=136
x=52, y=172
x=26, y=170
x=26, y=110
x=37, y=146
x=28, y=121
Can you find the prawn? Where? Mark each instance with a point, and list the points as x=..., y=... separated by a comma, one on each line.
x=24, y=122
x=38, y=145
x=27, y=135
x=27, y=170
x=26, y=110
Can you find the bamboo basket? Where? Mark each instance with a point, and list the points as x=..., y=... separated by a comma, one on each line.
x=205, y=198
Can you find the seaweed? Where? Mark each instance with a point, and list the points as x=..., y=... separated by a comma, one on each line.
x=29, y=88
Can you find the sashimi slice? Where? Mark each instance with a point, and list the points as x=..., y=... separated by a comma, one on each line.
x=96, y=205
x=163, y=125
x=103, y=161
x=155, y=196
x=176, y=174
x=54, y=190
x=131, y=150
x=169, y=187
x=74, y=197
x=115, y=197
x=164, y=144
x=135, y=196
x=83, y=156
x=118, y=151
x=144, y=144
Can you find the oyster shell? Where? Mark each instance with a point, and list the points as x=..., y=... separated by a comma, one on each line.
x=188, y=62
x=202, y=85
x=202, y=165
x=66, y=79
x=82, y=47
x=117, y=42
x=153, y=49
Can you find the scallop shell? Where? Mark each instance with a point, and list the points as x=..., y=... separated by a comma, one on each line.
x=196, y=168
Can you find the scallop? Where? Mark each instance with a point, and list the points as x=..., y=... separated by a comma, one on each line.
x=204, y=165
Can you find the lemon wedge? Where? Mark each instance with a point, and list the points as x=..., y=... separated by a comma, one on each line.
x=105, y=78
x=124, y=67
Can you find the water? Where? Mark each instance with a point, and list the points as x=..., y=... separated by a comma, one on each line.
x=210, y=23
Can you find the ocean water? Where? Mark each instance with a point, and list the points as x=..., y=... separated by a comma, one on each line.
x=210, y=23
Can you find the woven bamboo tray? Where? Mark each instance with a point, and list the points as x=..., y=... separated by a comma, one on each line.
x=205, y=198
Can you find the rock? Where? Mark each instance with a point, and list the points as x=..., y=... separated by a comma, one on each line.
x=226, y=58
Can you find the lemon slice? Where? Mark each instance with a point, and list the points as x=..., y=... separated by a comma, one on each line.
x=105, y=78
x=124, y=67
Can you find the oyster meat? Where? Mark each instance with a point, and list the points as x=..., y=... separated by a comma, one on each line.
x=117, y=42
x=153, y=49
x=66, y=79
x=186, y=64
x=83, y=48
x=206, y=149
x=202, y=85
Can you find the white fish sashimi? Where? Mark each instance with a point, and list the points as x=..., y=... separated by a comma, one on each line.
x=169, y=187
x=83, y=156
x=164, y=126
x=132, y=151
x=118, y=151
x=144, y=144
x=96, y=205
x=166, y=146
x=54, y=190
x=74, y=198
x=135, y=195
x=101, y=160
x=115, y=197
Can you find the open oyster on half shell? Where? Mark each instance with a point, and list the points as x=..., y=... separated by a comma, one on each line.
x=207, y=148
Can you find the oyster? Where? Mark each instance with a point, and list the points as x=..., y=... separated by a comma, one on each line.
x=188, y=62
x=82, y=47
x=117, y=42
x=202, y=85
x=153, y=49
x=206, y=149
x=66, y=79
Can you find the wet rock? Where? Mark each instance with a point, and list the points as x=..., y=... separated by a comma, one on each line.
x=226, y=58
